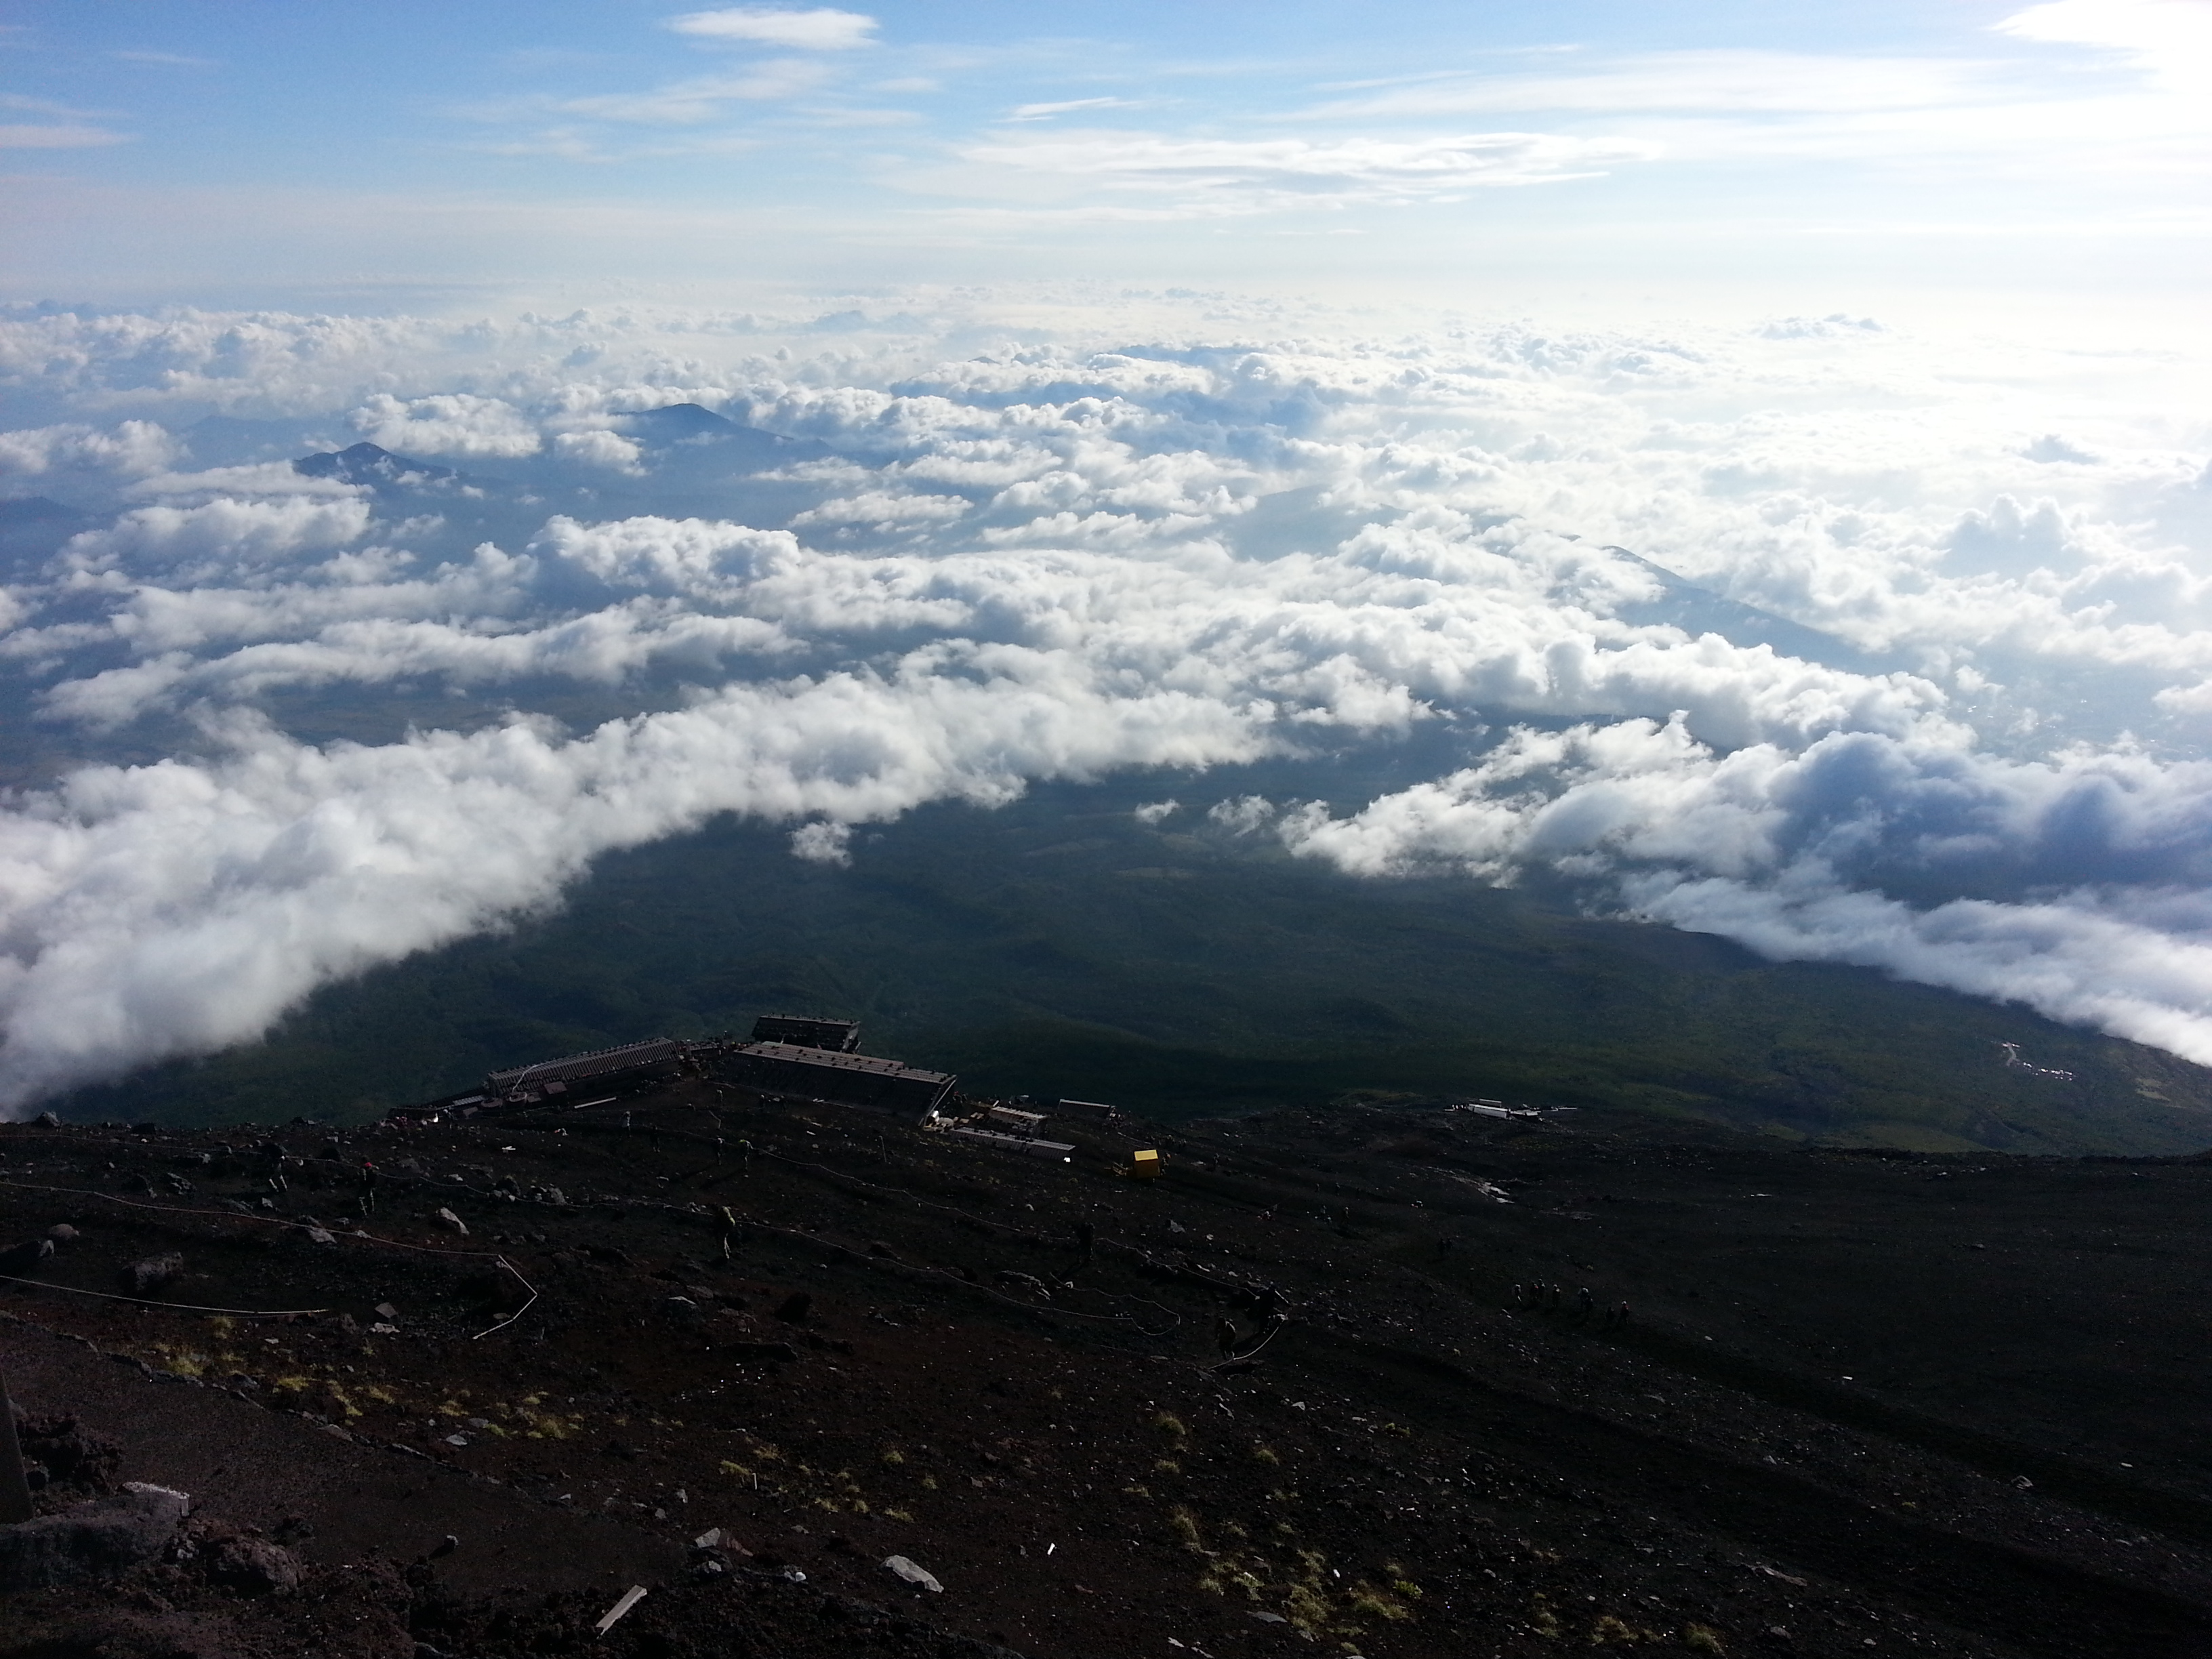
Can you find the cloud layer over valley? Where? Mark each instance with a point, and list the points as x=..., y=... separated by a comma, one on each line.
x=1847, y=643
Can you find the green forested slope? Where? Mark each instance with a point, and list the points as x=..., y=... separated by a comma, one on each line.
x=1058, y=946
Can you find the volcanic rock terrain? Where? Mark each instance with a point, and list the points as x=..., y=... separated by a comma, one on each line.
x=822, y=1382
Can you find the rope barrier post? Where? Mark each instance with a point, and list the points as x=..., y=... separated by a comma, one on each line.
x=14, y=1490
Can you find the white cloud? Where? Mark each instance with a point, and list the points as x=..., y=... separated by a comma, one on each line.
x=1049, y=560
x=1242, y=816
x=599, y=449
x=1689, y=82
x=884, y=510
x=160, y=910
x=2168, y=34
x=453, y=423
x=821, y=29
x=822, y=842
x=1067, y=106
x=688, y=103
x=1238, y=176
x=131, y=448
x=73, y=135
x=222, y=534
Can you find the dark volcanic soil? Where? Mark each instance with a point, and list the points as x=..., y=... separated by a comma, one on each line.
x=1861, y=1404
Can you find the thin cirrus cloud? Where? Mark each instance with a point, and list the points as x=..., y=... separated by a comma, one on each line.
x=2141, y=107
x=823, y=29
x=1744, y=81
x=48, y=135
x=171, y=60
x=1067, y=107
x=702, y=98
x=1242, y=176
x=74, y=129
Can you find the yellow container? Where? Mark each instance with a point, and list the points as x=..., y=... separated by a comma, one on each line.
x=1145, y=1165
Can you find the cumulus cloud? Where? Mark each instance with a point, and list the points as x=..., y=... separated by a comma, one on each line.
x=166, y=909
x=131, y=449
x=1901, y=670
x=823, y=843
x=452, y=423
x=599, y=449
x=192, y=541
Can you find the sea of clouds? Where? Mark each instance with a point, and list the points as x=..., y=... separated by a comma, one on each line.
x=292, y=725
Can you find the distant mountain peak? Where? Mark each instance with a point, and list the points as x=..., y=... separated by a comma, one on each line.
x=370, y=464
x=35, y=509
x=673, y=422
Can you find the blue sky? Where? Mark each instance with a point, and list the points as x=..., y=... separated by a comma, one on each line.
x=408, y=153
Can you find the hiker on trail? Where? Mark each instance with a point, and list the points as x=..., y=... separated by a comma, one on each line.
x=367, y=1188
x=1585, y=1304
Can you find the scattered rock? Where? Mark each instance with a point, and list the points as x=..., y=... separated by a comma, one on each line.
x=385, y=1310
x=921, y=1577
x=153, y=1274
x=254, y=1566
x=320, y=1235
x=631, y=1597
x=447, y=1219
x=94, y=1540
x=63, y=1451
x=62, y=1233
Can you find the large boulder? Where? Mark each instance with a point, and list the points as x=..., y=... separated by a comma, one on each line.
x=155, y=1273
x=94, y=1540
